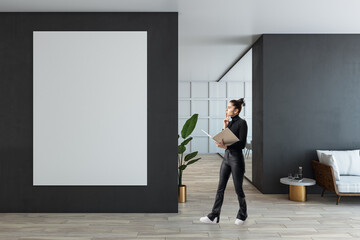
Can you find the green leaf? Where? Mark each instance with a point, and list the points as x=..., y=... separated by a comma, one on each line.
x=181, y=149
x=190, y=156
x=189, y=126
x=182, y=167
x=193, y=161
x=186, y=141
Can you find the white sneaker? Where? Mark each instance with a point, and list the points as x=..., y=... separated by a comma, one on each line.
x=207, y=220
x=239, y=222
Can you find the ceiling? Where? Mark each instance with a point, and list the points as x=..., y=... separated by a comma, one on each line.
x=214, y=33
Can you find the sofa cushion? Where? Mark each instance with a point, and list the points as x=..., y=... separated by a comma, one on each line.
x=330, y=160
x=348, y=161
x=349, y=184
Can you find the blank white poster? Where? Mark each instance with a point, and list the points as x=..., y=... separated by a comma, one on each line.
x=90, y=108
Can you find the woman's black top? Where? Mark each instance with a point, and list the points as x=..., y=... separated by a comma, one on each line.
x=239, y=127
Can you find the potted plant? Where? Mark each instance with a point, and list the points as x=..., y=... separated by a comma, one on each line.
x=184, y=161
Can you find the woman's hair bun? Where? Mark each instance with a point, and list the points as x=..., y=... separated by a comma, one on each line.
x=242, y=102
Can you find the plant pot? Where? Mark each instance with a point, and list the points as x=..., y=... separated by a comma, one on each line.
x=182, y=194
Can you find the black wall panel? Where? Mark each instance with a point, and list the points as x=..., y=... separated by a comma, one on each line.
x=16, y=116
x=257, y=88
x=307, y=87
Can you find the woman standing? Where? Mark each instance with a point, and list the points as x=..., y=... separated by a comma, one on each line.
x=233, y=163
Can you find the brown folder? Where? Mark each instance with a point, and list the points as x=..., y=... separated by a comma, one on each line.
x=226, y=134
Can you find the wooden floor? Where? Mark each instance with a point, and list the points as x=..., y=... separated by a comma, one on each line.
x=270, y=216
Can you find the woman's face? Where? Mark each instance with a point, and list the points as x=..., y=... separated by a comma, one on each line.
x=231, y=111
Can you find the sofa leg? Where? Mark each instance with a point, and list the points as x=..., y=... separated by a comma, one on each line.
x=338, y=200
x=323, y=191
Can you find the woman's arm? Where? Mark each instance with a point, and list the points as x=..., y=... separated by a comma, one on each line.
x=242, y=135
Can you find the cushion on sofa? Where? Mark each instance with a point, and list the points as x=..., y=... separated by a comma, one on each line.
x=349, y=184
x=330, y=160
x=348, y=162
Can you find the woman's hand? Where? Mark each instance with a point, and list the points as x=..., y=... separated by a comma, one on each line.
x=221, y=144
x=226, y=121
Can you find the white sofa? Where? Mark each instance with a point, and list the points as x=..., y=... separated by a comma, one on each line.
x=338, y=171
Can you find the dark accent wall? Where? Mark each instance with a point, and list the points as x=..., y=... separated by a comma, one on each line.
x=16, y=116
x=306, y=97
x=257, y=88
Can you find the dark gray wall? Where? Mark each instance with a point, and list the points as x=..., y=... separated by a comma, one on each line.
x=310, y=98
x=16, y=116
x=257, y=88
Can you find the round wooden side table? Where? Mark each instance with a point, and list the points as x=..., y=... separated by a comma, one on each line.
x=297, y=189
